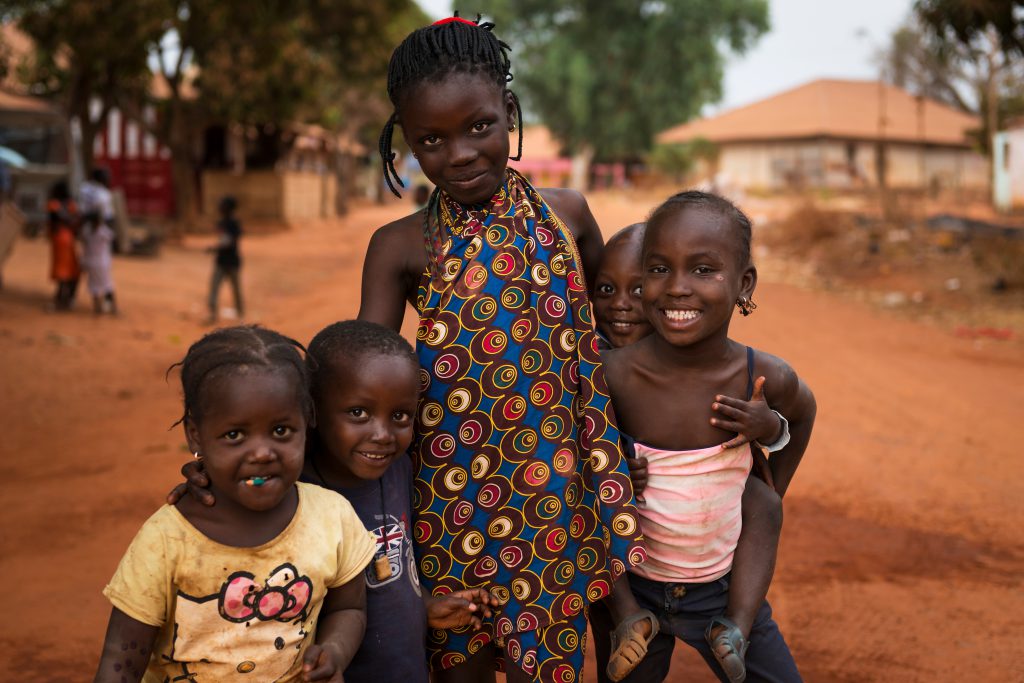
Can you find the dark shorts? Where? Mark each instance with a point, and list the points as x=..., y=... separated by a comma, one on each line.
x=684, y=610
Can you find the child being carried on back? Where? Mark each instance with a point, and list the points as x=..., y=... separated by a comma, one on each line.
x=210, y=593
x=675, y=394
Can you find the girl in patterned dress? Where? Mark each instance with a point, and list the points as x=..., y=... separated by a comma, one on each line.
x=520, y=483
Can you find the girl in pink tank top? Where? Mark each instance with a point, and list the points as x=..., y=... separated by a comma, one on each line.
x=676, y=392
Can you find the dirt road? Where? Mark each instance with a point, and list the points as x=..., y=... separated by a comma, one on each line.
x=903, y=544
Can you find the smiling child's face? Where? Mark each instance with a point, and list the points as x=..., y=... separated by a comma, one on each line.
x=694, y=272
x=365, y=415
x=251, y=425
x=458, y=129
x=618, y=308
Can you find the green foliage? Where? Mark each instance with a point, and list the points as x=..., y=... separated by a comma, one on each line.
x=977, y=75
x=264, y=62
x=679, y=160
x=609, y=75
x=969, y=20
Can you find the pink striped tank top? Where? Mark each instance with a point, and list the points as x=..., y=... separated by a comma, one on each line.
x=691, y=518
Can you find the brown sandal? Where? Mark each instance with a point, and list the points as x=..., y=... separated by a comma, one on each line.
x=628, y=646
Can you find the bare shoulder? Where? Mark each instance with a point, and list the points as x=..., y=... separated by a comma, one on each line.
x=571, y=206
x=400, y=243
x=404, y=231
x=783, y=387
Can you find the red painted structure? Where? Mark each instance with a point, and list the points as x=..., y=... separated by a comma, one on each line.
x=139, y=164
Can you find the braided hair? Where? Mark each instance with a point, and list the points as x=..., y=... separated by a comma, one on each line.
x=231, y=350
x=431, y=53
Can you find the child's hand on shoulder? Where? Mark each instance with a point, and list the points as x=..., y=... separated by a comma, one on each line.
x=320, y=663
x=462, y=608
x=752, y=420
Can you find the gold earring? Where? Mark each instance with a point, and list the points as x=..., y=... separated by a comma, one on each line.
x=746, y=305
x=512, y=127
x=198, y=457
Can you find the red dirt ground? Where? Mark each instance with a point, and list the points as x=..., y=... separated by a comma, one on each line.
x=902, y=551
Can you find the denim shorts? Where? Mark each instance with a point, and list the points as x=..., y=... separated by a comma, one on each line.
x=684, y=611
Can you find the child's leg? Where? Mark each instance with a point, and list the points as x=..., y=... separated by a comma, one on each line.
x=754, y=562
x=634, y=629
x=655, y=666
x=97, y=304
x=752, y=568
x=218, y=273
x=236, y=286
x=111, y=302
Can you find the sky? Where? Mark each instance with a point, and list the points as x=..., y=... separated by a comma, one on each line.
x=808, y=39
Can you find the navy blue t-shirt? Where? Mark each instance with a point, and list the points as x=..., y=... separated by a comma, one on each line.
x=394, y=647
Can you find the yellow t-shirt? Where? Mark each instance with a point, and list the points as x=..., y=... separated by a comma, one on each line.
x=238, y=613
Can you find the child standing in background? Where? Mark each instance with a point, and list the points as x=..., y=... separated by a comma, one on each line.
x=674, y=394
x=98, y=240
x=63, y=219
x=269, y=581
x=228, y=262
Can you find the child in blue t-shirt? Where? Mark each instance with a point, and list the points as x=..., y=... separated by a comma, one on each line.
x=365, y=387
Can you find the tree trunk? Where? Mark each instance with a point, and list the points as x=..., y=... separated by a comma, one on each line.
x=344, y=172
x=183, y=170
x=579, y=179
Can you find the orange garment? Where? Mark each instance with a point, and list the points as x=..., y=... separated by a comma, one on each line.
x=64, y=262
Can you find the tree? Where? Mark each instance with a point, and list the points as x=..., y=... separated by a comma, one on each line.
x=978, y=76
x=262, y=64
x=969, y=20
x=606, y=76
x=86, y=51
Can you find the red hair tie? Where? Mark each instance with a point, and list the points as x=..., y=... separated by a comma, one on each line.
x=442, y=22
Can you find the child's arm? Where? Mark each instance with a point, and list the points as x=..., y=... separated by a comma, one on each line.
x=458, y=609
x=338, y=633
x=126, y=649
x=386, y=283
x=797, y=403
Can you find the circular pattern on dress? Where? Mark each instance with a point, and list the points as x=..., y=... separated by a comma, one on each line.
x=481, y=313
x=459, y=400
x=431, y=413
x=521, y=330
x=442, y=446
x=473, y=542
x=598, y=589
x=513, y=298
x=624, y=524
x=496, y=379
x=472, y=431
x=551, y=310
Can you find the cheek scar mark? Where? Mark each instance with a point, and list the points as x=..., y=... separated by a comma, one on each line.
x=720, y=277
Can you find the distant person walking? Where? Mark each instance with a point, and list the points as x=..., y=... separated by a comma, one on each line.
x=62, y=214
x=227, y=261
x=98, y=236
